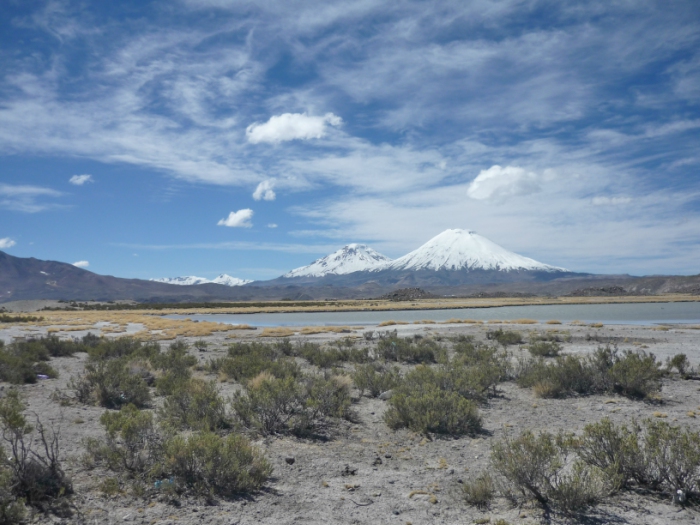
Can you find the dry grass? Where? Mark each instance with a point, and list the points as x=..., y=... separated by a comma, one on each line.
x=494, y=321
x=280, y=331
x=310, y=330
x=596, y=325
x=391, y=323
x=424, y=321
x=461, y=321
x=553, y=321
x=523, y=321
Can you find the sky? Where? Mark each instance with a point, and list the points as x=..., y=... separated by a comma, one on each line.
x=197, y=137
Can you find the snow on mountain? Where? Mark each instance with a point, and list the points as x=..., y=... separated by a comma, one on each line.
x=349, y=259
x=463, y=249
x=188, y=280
x=227, y=280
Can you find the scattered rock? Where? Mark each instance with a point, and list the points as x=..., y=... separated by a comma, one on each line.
x=349, y=471
x=290, y=460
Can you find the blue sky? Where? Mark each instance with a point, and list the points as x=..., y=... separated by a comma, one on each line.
x=195, y=137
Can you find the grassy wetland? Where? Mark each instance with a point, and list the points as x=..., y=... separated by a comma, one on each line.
x=131, y=417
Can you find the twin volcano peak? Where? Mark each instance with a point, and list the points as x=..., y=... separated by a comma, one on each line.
x=451, y=250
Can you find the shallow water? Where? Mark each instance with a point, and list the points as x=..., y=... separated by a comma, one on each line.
x=641, y=314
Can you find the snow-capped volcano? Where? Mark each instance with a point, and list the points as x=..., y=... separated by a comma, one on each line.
x=465, y=250
x=189, y=280
x=349, y=259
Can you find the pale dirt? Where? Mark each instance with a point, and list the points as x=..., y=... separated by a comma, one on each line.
x=398, y=490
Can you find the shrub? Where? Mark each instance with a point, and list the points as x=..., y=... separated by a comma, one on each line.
x=276, y=405
x=544, y=349
x=632, y=374
x=654, y=454
x=247, y=360
x=33, y=469
x=132, y=443
x=12, y=509
x=480, y=491
x=505, y=337
x=111, y=384
x=122, y=347
x=194, y=405
x=408, y=350
x=375, y=378
x=681, y=363
x=535, y=467
x=207, y=464
x=23, y=362
x=175, y=364
x=425, y=402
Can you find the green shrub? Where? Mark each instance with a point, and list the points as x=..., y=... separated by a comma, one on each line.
x=194, y=405
x=375, y=378
x=247, y=360
x=535, y=467
x=505, y=337
x=132, y=442
x=301, y=406
x=207, y=464
x=654, y=454
x=636, y=374
x=632, y=374
x=22, y=362
x=544, y=349
x=681, y=363
x=479, y=492
x=407, y=350
x=122, y=347
x=425, y=402
x=176, y=366
x=12, y=509
x=111, y=384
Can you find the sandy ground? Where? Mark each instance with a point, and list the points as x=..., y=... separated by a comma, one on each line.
x=396, y=473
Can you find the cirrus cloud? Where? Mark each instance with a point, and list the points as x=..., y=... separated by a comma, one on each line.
x=291, y=126
x=238, y=219
x=79, y=180
x=498, y=183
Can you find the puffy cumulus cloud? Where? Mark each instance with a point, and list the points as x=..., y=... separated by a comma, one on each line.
x=610, y=201
x=264, y=191
x=291, y=126
x=79, y=180
x=499, y=183
x=81, y=264
x=238, y=219
x=6, y=242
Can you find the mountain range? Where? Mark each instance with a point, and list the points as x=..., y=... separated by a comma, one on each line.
x=455, y=262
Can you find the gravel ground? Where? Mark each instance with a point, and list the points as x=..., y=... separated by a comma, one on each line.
x=368, y=473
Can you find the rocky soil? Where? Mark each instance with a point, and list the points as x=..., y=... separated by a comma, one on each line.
x=367, y=473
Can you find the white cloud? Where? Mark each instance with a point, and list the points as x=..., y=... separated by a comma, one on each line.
x=272, y=225
x=25, y=198
x=291, y=126
x=81, y=264
x=498, y=183
x=6, y=242
x=610, y=201
x=79, y=180
x=264, y=191
x=238, y=219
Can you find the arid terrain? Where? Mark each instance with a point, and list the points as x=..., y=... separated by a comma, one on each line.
x=364, y=472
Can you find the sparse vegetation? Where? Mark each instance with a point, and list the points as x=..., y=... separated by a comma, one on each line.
x=375, y=378
x=505, y=337
x=632, y=374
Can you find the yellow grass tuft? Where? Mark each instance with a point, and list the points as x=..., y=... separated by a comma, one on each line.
x=424, y=321
x=280, y=331
x=523, y=321
x=553, y=321
x=596, y=325
x=660, y=414
x=259, y=379
x=494, y=321
x=391, y=323
x=310, y=330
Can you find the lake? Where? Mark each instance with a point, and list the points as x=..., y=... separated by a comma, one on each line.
x=641, y=313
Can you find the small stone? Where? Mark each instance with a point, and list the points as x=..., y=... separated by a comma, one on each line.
x=290, y=460
x=386, y=395
x=396, y=512
x=377, y=461
x=387, y=455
